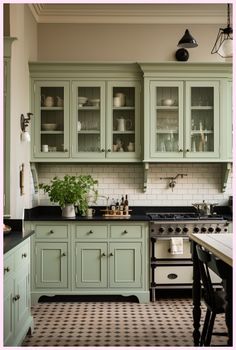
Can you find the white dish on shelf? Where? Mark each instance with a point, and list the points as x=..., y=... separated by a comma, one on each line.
x=82, y=100
x=168, y=102
x=95, y=102
x=49, y=126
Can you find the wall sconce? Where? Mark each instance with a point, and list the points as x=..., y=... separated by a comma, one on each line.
x=24, y=122
x=224, y=41
x=187, y=41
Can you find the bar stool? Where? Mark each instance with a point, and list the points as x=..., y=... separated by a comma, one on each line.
x=213, y=299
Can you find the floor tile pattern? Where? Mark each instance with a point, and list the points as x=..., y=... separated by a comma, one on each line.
x=167, y=322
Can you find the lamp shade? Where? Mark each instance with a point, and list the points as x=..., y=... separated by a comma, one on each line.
x=187, y=41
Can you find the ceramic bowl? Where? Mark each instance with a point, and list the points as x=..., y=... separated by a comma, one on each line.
x=82, y=100
x=95, y=102
x=167, y=102
x=49, y=126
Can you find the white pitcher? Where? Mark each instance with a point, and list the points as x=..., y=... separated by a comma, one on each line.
x=123, y=124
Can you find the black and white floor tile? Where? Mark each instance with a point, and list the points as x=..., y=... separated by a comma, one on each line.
x=122, y=323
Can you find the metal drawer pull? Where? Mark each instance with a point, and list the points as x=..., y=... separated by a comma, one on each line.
x=172, y=276
x=51, y=231
x=24, y=255
x=63, y=254
x=91, y=231
x=111, y=254
x=17, y=297
x=103, y=254
x=6, y=269
x=124, y=232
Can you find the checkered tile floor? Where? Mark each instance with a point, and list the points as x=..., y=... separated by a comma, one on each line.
x=167, y=322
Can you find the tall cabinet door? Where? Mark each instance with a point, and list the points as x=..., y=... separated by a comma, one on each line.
x=125, y=264
x=123, y=120
x=202, y=119
x=91, y=264
x=88, y=119
x=166, y=127
x=51, y=119
x=51, y=265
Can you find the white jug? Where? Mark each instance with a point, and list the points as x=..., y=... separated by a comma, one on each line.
x=123, y=124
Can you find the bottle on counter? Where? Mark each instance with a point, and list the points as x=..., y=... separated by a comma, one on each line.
x=126, y=205
x=117, y=207
x=122, y=205
x=113, y=206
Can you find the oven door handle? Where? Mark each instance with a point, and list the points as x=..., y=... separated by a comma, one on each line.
x=168, y=238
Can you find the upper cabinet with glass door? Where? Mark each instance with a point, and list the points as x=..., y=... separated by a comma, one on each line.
x=51, y=119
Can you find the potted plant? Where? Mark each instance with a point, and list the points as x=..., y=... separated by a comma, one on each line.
x=71, y=191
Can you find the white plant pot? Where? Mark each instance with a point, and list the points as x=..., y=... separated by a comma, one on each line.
x=68, y=211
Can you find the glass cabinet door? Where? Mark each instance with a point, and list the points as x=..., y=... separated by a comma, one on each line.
x=123, y=119
x=51, y=119
x=88, y=131
x=166, y=119
x=202, y=119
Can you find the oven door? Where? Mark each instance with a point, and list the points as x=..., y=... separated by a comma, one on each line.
x=162, y=249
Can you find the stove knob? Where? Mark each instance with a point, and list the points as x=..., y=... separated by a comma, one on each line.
x=211, y=229
x=185, y=229
x=161, y=229
x=218, y=229
x=170, y=229
x=203, y=229
x=196, y=229
x=178, y=229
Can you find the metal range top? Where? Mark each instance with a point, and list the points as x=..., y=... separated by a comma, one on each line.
x=182, y=216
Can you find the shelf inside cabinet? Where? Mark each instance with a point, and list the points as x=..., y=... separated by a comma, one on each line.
x=167, y=131
x=126, y=108
x=89, y=108
x=127, y=132
x=201, y=108
x=89, y=132
x=198, y=132
x=175, y=108
x=59, y=132
x=52, y=108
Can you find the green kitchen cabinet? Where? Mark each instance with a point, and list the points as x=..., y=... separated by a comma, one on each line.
x=17, y=304
x=89, y=258
x=50, y=132
x=186, y=106
x=76, y=103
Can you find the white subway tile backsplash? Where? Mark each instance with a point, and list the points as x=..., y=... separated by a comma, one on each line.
x=203, y=181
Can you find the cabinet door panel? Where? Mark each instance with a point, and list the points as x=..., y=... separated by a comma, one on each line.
x=125, y=261
x=91, y=264
x=202, y=119
x=51, y=265
x=8, y=310
x=51, y=123
x=166, y=119
x=22, y=305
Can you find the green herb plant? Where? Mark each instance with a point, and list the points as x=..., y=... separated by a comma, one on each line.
x=72, y=190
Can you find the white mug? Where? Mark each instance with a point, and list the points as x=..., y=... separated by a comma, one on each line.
x=117, y=102
x=44, y=148
x=122, y=98
x=90, y=212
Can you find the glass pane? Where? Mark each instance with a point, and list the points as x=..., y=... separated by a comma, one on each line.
x=123, y=122
x=202, y=119
x=52, y=119
x=167, y=119
x=88, y=118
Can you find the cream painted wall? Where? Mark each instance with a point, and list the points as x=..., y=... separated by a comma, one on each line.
x=24, y=28
x=122, y=42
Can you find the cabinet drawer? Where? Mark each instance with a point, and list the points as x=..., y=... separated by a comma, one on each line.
x=51, y=231
x=91, y=231
x=124, y=231
x=173, y=274
x=8, y=265
x=22, y=256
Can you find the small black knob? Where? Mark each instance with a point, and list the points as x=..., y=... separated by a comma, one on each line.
x=218, y=229
x=161, y=229
x=196, y=229
x=178, y=229
x=152, y=230
x=211, y=229
x=24, y=255
x=203, y=229
x=170, y=229
x=185, y=229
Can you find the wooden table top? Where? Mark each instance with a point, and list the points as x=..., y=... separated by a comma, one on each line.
x=220, y=244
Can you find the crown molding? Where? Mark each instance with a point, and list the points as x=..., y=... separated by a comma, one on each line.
x=130, y=13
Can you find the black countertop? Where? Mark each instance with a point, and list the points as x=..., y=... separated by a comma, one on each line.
x=14, y=237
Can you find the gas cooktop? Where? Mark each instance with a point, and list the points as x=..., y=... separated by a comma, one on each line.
x=182, y=216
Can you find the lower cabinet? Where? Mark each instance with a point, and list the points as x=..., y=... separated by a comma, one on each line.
x=17, y=314
x=90, y=259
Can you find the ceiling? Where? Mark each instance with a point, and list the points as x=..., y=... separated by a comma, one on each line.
x=130, y=13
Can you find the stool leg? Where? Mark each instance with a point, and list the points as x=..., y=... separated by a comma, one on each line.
x=205, y=327
x=210, y=329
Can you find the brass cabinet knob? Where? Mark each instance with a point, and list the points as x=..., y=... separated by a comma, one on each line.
x=103, y=254
x=24, y=255
x=187, y=150
x=109, y=150
x=111, y=254
x=63, y=254
x=51, y=231
x=180, y=150
x=125, y=231
x=90, y=231
x=6, y=269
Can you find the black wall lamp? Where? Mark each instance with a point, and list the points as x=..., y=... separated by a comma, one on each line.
x=187, y=41
x=24, y=122
x=224, y=41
